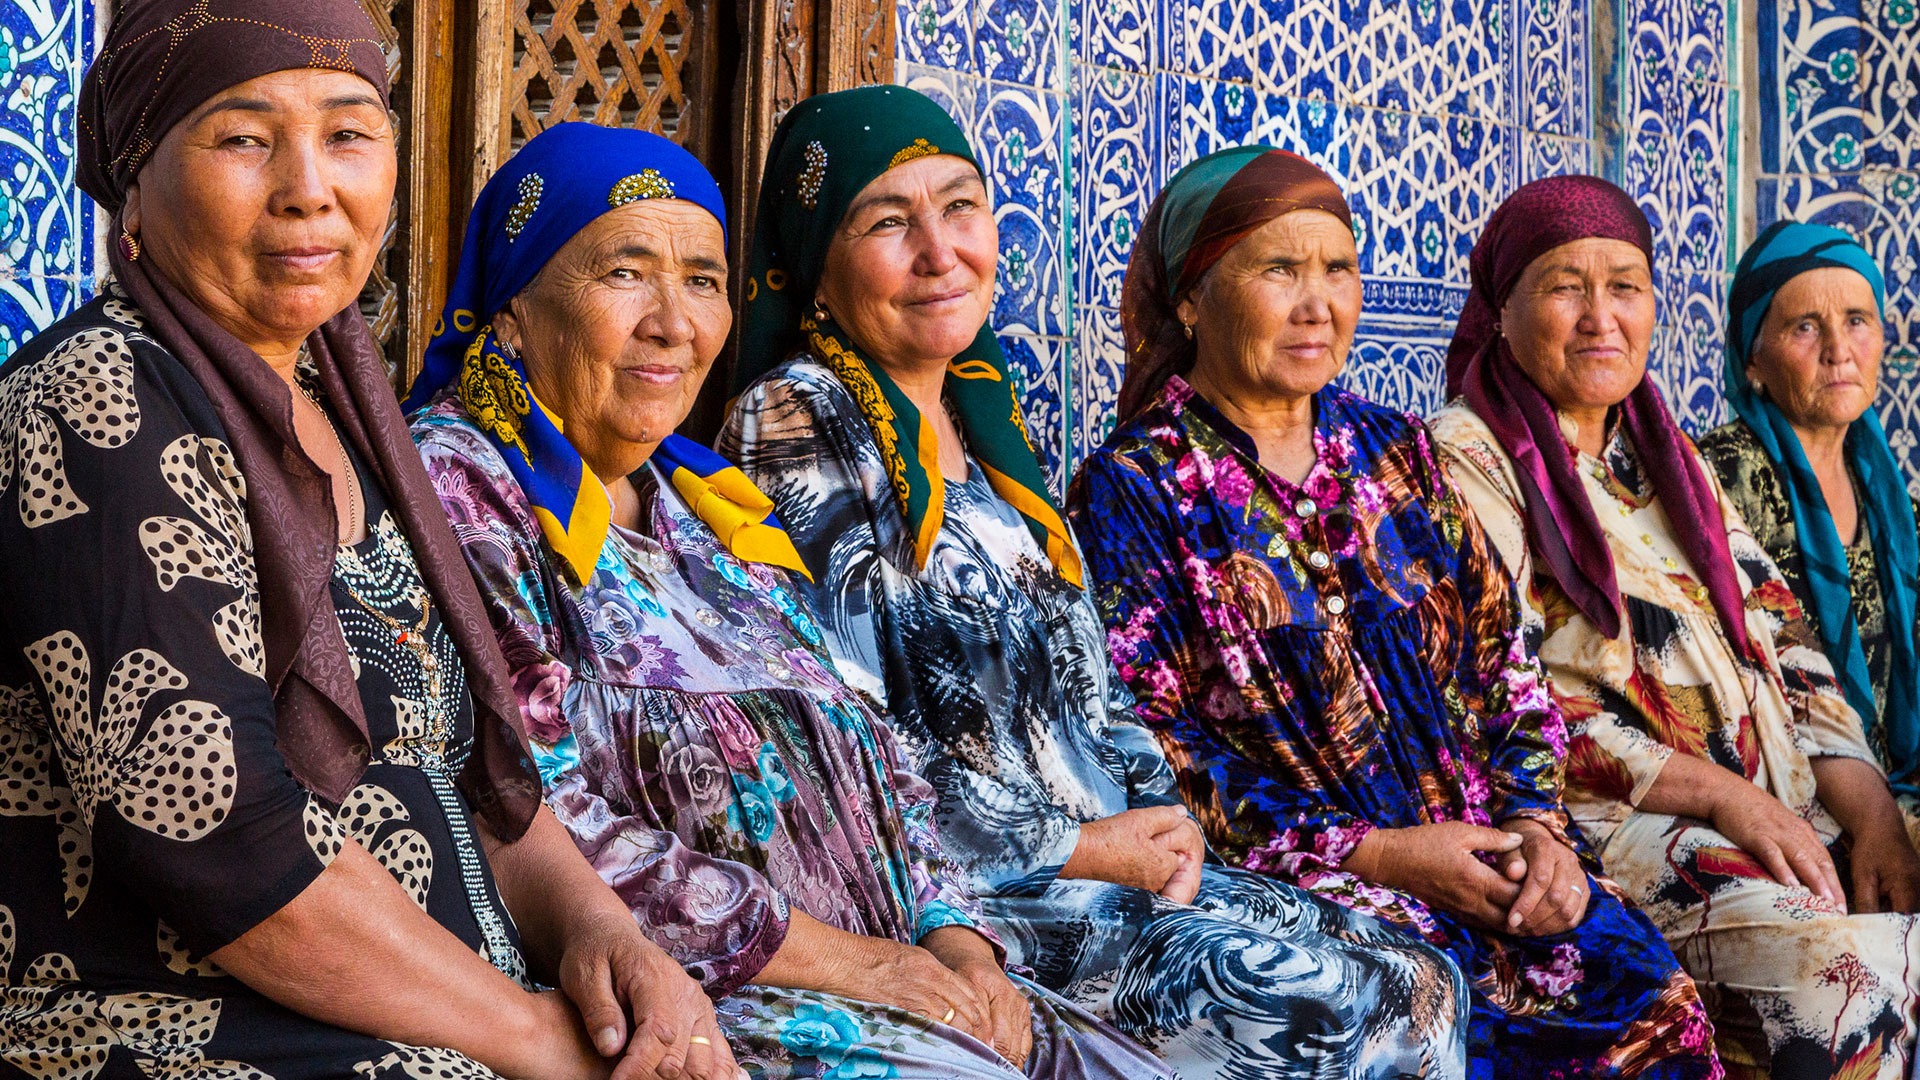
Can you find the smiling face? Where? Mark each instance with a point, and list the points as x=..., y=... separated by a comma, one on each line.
x=1580, y=321
x=620, y=327
x=909, y=274
x=267, y=204
x=1274, y=318
x=1819, y=348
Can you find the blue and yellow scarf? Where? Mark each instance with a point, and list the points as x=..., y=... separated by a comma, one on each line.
x=558, y=183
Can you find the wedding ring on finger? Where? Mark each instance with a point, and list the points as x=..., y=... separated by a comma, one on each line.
x=948, y=1019
x=699, y=1040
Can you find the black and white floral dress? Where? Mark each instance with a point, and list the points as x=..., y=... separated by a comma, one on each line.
x=147, y=818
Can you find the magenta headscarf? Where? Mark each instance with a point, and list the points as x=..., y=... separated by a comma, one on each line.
x=1562, y=529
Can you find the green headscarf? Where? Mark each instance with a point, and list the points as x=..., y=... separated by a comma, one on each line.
x=824, y=154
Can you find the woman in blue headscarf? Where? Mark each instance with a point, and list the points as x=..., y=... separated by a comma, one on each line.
x=1808, y=465
x=689, y=728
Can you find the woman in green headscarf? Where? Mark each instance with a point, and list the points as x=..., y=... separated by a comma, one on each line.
x=879, y=415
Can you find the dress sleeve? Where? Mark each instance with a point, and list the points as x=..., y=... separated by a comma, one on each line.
x=1524, y=732
x=1165, y=653
x=722, y=920
x=132, y=610
x=797, y=445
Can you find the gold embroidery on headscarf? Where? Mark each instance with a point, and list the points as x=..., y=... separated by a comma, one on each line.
x=812, y=177
x=645, y=184
x=913, y=151
x=531, y=186
x=494, y=395
x=866, y=393
x=974, y=369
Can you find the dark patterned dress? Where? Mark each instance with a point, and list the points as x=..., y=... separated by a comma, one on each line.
x=693, y=736
x=997, y=675
x=1344, y=654
x=1754, y=485
x=146, y=818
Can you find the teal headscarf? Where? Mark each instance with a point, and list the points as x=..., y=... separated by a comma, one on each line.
x=825, y=152
x=1783, y=251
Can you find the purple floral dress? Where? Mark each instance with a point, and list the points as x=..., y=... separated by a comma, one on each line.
x=1326, y=658
x=696, y=741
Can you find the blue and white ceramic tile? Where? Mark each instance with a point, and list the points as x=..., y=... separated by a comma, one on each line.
x=1020, y=134
x=1039, y=366
x=1121, y=34
x=1432, y=56
x=938, y=33
x=1688, y=355
x=1547, y=155
x=1881, y=208
x=1892, y=93
x=1213, y=39
x=1100, y=364
x=1401, y=364
x=1551, y=92
x=958, y=94
x=1302, y=49
x=1210, y=115
x=46, y=224
x=1812, y=83
x=1421, y=187
x=1118, y=168
x=1018, y=41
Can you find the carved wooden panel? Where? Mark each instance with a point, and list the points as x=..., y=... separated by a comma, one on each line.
x=624, y=63
x=383, y=301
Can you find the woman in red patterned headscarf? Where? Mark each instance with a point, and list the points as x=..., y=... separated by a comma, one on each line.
x=1715, y=763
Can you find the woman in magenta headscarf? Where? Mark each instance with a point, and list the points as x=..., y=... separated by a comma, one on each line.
x=1715, y=763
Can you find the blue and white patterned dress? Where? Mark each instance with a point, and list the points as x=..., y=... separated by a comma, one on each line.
x=997, y=676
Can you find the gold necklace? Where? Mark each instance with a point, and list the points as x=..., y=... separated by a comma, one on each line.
x=353, y=479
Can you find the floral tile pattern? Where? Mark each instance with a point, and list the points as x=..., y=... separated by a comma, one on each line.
x=46, y=224
x=1839, y=96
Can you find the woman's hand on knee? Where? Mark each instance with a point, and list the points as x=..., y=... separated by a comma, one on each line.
x=1553, y=884
x=1009, y=1016
x=1133, y=847
x=1778, y=839
x=646, y=1015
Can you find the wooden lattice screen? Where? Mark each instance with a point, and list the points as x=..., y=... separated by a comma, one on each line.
x=474, y=79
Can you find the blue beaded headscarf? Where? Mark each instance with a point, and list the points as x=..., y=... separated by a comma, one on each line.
x=558, y=183
x=1782, y=252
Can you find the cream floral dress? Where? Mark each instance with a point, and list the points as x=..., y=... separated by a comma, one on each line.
x=1791, y=978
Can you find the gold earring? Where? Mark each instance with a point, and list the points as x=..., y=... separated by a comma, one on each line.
x=820, y=313
x=1187, y=328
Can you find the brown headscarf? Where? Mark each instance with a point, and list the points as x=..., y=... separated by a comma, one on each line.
x=1562, y=529
x=1206, y=208
x=162, y=59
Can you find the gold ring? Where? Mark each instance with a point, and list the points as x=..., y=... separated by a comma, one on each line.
x=947, y=1019
x=699, y=1040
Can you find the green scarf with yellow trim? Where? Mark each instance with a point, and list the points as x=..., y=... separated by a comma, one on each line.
x=824, y=153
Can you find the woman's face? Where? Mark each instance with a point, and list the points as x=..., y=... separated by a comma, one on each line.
x=267, y=204
x=1819, y=348
x=1580, y=320
x=909, y=275
x=1274, y=318
x=619, y=328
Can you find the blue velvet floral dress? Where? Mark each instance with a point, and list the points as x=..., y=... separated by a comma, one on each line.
x=1326, y=658
x=995, y=670
x=693, y=736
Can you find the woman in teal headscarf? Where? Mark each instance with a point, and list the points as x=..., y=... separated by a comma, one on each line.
x=882, y=420
x=752, y=811
x=1808, y=465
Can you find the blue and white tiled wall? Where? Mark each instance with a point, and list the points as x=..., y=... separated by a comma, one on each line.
x=46, y=224
x=1427, y=111
x=1840, y=144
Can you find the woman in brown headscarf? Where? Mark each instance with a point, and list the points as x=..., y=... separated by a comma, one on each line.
x=265, y=808
x=1327, y=644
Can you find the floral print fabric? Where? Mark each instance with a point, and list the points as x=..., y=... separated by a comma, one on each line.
x=1790, y=976
x=997, y=674
x=146, y=816
x=694, y=737
x=1343, y=654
